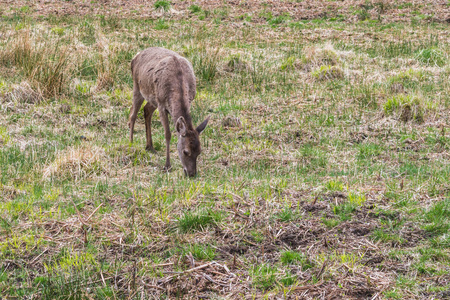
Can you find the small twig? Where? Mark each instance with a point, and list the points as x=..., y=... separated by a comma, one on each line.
x=38, y=256
x=103, y=278
x=198, y=268
x=307, y=287
x=213, y=281
x=78, y=213
x=152, y=286
x=188, y=271
x=95, y=210
x=322, y=269
x=247, y=241
x=161, y=265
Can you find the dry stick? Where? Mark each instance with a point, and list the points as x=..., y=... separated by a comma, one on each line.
x=189, y=271
x=247, y=241
x=152, y=286
x=213, y=281
x=223, y=267
x=308, y=287
x=38, y=256
x=95, y=210
x=322, y=269
x=78, y=213
x=103, y=278
x=162, y=265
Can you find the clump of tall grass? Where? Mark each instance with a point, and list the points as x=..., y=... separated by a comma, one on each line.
x=328, y=72
x=406, y=106
x=205, y=62
x=107, y=72
x=44, y=63
x=317, y=57
x=431, y=56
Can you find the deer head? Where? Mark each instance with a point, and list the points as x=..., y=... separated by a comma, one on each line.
x=189, y=145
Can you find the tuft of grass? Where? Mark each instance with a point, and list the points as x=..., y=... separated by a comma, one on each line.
x=356, y=199
x=434, y=255
x=201, y=252
x=287, y=214
x=386, y=237
x=406, y=106
x=437, y=218
x=24, y=93
x=45, y=66
x=290, y=257
x=237, y=64
x=408, y=77
x=162, y=4
x=69, y=285
x=78, y=163
x=111, y=22
x=263, y=276
x=316, y=57
x=431, y=57
x=330, y=223
x=195, y=8
x=344, y=210
x=288, y=64
x=274, y=21
x=199, y=220
x=58, y=30
x=328, y=73
x=205, y=63
x=161, y=24
x=4, y=136
x=288, y=280
x=442, y=241
x=334, y=185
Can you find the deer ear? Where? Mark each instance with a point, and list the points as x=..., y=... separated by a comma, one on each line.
x=202, y=126
x=181, y=126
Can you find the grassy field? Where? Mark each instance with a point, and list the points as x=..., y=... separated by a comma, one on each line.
x=325, y=171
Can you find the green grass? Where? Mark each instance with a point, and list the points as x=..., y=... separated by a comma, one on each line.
x=325, y=160
x=292, y=257
x=437, y=217
x=199, y=220
x=163, y=4
x=263, y=276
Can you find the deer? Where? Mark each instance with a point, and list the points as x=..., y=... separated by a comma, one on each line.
x=166, y=81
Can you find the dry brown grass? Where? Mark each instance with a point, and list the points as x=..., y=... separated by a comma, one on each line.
x=45, y=65
x=24, y=93
x=78, y=163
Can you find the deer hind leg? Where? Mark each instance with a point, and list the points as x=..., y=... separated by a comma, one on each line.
x=137, y=103
x=148, y=113
x=165, y=121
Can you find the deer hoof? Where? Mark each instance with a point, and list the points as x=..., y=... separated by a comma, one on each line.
x=150, y=149
x=167, y=168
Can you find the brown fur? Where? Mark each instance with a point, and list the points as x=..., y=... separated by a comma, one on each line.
x=167, y=81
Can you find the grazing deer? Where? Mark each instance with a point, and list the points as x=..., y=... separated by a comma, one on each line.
x=167, y=81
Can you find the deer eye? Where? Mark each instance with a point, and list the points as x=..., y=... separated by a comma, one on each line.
x=186, y=152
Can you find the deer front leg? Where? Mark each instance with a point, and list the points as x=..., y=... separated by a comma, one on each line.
x=148, y=113
x=165, y=121
x=137, y=103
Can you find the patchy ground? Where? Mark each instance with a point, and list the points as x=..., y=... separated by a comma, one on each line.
x=348, y=10
x=325, y=168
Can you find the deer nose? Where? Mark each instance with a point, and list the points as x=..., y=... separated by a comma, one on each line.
x=190, y=174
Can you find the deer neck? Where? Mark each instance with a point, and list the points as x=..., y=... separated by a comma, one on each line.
x=181, y=109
